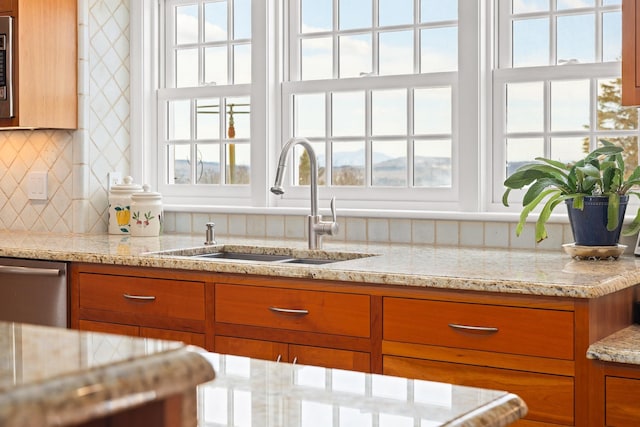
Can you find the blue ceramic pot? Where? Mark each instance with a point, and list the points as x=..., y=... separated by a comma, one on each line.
x=589, y=225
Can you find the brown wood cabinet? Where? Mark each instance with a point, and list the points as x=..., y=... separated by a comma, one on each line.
x=277, y=320
x=616, y=395
x=531, y=345
x=45, y=63
x=128, y=302
x=630, y=52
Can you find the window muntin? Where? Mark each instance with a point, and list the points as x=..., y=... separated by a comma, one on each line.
x=374, y=93
x=558, y=95
x=204, y=108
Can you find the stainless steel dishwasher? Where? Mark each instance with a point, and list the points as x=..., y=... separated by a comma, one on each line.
x=33, y=291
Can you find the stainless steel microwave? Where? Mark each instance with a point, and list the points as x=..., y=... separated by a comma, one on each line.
x=6, y=67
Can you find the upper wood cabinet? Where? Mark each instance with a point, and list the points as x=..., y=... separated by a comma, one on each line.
x=630, y=53
x=45, y=64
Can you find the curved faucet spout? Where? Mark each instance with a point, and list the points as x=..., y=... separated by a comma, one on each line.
x=313, y=163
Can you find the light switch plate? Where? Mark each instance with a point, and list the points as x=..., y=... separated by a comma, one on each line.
x=37, y=185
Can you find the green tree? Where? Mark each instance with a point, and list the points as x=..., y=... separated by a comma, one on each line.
x=304, y=169
x=612, y=115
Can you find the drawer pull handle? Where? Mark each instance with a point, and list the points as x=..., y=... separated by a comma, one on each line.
x=488, y=329
x=279, y=358
x=300, y=312
x=140, y=297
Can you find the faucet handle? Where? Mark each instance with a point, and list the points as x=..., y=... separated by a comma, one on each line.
x=333, y=209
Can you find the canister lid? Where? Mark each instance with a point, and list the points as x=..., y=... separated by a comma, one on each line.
x=126, y=187
x=146, y=194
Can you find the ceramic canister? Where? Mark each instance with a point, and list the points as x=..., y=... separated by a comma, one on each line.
x=146, y=213
x=120, y=206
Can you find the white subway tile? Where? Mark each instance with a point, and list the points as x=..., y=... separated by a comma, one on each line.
x=356, y=229
x=423, y=231
x=471, y=233
x=447, y=232
x=237, y=225
x=378, y=230
x=275, y=226
x=400, y=230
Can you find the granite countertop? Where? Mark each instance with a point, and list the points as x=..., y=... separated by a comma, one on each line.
x=621, y=347
x=257, y=392
x=512, y=271
x=57, y=377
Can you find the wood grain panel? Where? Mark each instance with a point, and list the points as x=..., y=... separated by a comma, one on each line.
x=167, y=334
x=533, y=332
x=328, y=312
x=257, y=349
x=109, y=328
x=548, y=397
x=330, y=358
x=622, y=397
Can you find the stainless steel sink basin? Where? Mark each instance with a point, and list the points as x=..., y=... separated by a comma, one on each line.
x=278, y=255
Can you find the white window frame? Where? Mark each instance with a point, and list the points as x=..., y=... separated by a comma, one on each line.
x=476, y=189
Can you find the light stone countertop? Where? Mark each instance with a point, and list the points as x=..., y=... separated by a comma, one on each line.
x=58, y=377
x=262, y=393
x=620, y=347
x=512, y=271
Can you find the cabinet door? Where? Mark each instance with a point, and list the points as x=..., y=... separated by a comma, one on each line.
x=257, y=349
x=329, y=358
x=549, y=397
x=109, y=328
x=621, y=401
x=630, y=53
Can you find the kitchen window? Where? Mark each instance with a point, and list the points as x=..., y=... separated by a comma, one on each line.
x=409, y=104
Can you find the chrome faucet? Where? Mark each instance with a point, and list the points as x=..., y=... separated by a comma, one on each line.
x=315, y=226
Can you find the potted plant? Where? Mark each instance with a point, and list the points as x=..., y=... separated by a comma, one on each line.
x=594, y=190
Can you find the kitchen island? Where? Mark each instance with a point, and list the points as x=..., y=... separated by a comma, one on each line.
x=58, y=377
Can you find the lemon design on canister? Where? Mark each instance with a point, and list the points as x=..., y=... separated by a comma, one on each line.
x=123, y=215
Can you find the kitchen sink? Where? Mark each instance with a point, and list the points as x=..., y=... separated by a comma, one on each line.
x=280, y=255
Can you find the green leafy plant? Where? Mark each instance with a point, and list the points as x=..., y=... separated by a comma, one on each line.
x=600, y=173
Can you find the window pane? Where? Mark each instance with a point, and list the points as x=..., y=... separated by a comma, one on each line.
x=309, y=115
x=347, y=163
x=317, y=15
x=208, y=119
x=348, y=114
x=396, y=52
x=241, y=19
x=569, y=150
x=439, y=50
x=238, y=118
x=179, y=120
x=524, y=6
x=389, y=112
x=611, y=115
x=570, y=105
x=302, y=168
x=395, y=12
x=432, y=110
x=438, y=10
x=521, y=151
x=355, y=55
x=208, y=165
x=187, y=24
x=572, y=4
x=238, y=161
x=355, y=14
x=215, y=65
x=215, y=24
x=530, y=42
x=389, y=167
x=525, y=107
x=576, y=38
x=179, y=164
x=432, y=163
x=611, y=36
x=187, y=68
x=611, y=2
x=316, y=58
x=242, y=64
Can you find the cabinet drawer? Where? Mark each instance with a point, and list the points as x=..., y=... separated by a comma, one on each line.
x=142, y=296
x=621, y=401
x=330, y=358
x=292, y=309
x=515, y=330
x=548, y=397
